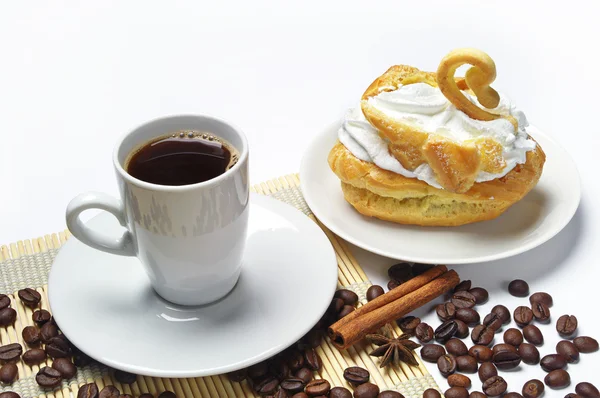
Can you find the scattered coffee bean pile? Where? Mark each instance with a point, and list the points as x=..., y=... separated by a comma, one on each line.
x=46, y=340
x=290, y=374
x=520, y=345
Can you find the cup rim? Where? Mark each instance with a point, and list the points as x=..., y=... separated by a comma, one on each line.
x=180, y=188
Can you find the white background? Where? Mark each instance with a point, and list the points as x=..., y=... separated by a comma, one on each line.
x=76, y=75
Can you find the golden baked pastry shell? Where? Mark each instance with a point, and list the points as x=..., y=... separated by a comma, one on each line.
x=383, y=194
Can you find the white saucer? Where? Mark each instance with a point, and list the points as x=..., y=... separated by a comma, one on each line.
x=538, y=217
x=105, y=305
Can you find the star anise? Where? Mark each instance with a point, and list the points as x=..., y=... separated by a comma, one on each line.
x=394, y=350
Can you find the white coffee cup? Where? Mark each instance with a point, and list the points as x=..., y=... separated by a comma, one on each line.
x=190, y=238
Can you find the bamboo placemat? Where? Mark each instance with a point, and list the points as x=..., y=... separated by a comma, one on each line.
x=27, y=263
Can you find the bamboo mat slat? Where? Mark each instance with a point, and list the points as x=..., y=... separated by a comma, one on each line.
x=410, y=381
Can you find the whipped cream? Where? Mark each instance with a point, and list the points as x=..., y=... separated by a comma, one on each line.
x=427, y=109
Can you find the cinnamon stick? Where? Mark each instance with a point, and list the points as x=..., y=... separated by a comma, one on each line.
x=402, y=290
x=353, y=331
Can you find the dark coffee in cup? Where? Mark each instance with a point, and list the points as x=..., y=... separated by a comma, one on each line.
x=182, y=158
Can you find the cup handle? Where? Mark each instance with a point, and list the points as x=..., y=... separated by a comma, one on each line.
x=122, y=245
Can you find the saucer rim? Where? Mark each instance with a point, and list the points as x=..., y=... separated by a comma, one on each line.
x=307, y=163
x=299, y=332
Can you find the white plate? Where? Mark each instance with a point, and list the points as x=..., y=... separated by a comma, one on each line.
x=529, y=223
x=104, y=303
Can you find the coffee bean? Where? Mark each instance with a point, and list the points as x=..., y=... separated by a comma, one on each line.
x=30, y=297
x=279, y=368
x=58, y=348
x=419, y=268
x=8, y=373
x=506, y=356
x=10, y=352
x=305, y=374
x=552, y=362
x=356, y=375
x=312, y=359
x=125, y=377
x=345, y=311
x=502, y=312
x=349, y=297
x=293, y=385
x=481, y=353
x=48, y=331
x=529, y=354
x=167, y=394
x=9, y=394
x=373, y=292
x=445, y=311
x=486, y=371
x=587, y=390
x=462, y=330
x=446, y=365
x=445, y=331
x=463, y=299
x=401, y=272
x=568, y=350
x=463, y=286
x=494, y=386
x=518, y=288
x=431, y=393
x=492, y=321
x=533, y=335
x=35, y=356
x=481, y=295
x=339, y=392
x=4, y=301
x=50, y=378
x=456, y=347
x=572, y=395
x=335, y=306
x=456, y=392
x=65, y=367
x=477, y=394
x=585, y=344
x=260, y=370
x=80, y=359
x=392, y=284
x=513, y=395
x=566, y=325
x=482, y=335
x=7, y=316
x=513, y=337
x=367, y=390
x=467, y=315
x=558, y=378
x=541, y=311
x=424, y=332
x=31, y=335
x=408, y=324
x=541, y=297
x=387, y=394
x=523, y=315
x=311, y=339
x=432, y=352
x=295, y=362
x=458, y=380
x=266, y=386
x=533, y=389
x=466, y=364
x=317, y=387
x=110, y=392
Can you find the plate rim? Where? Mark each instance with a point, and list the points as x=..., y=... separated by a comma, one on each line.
x=330, y=128
x=299, y=332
